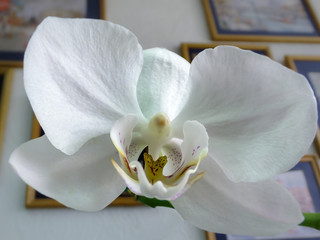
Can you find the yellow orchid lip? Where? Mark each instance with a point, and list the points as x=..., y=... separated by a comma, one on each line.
x=154, y=169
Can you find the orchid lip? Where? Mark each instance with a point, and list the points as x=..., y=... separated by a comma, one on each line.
x=154, y=163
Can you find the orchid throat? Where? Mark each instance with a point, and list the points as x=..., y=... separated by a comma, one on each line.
x=155, y=163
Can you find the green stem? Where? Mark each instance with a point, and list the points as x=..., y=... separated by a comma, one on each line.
x=151, y=202
x=311, y=220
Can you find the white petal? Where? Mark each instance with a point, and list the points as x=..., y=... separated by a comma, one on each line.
x=216, y=204
x=80, y=76
x=121, y=133
x=163, y=84
x=195, y=142
x=132, y=183
x=156, y=190
x=121, y=136
x=85, y=181
x=160, y=190
x=173, y=152
x=193, y=148
x=260, y=116
x=136, y=147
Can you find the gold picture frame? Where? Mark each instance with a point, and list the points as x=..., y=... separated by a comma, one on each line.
x=16, y=27
x=190, y=50
x=35, y=199
x=305, y=65
x=310, y=163
x=6, y=79
x=242, y=27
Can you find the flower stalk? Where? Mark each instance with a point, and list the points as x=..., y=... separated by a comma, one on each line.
x=151, y=202
x=311, y=220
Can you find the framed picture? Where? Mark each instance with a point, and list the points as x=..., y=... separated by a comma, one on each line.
x=6, y=78
x=190, y=50
x=18, y=20
x=35, y=199
x=303, y=181
x=267, y=20
x=309, y=66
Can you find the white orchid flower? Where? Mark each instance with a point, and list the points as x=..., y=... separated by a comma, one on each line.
x=98, y=96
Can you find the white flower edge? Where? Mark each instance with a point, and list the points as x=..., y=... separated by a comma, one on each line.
x=252, y=109
x=219, y=205
x=85, y=181
x=80, y=83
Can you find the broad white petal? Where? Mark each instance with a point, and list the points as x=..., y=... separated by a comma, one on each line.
x=80, y=76
x=163, y=84
x=85, y=181
x=219, y=205
x=260, y=116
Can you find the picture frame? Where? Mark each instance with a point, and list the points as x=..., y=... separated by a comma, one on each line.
x=35, y=199
x=304, y=182
x=6, y=79
x=269, y=20
x=18, y=20
x=309, y=66
x=190, y=50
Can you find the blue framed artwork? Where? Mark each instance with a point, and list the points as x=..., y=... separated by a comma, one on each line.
x=190, y=50
x=303, y=181
x=309, y=66
x=35, y=199
x=262, y=20
x=6, y=78
x=19, y=18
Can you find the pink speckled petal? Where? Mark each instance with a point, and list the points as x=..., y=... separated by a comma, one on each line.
x=121, y=133
x=174, y=156
x=189, y=152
